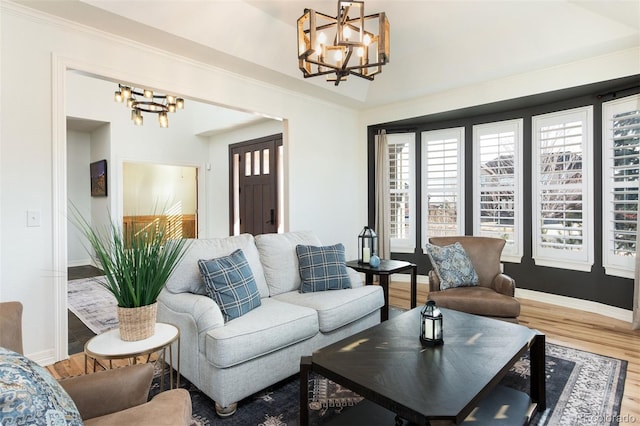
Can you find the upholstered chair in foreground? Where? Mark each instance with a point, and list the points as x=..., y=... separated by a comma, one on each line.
x=111, y=397
x=492, y=295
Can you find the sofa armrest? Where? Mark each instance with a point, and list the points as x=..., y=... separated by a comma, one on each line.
x=504, y=284
x=205, y=312
x=434, y=281
x=109, y=391
x=355, y=277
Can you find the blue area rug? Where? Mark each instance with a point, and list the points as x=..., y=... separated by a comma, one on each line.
x=582, y=389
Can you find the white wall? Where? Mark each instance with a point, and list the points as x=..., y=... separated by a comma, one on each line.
x=78, y=191
x=152, y=189
x=326, y=192
x=600, y=68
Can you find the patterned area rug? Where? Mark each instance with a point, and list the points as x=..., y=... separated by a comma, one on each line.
x=582, y=389
x=92, y=304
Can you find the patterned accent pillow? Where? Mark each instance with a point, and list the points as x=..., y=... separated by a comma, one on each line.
x=322, y=268
x=29, y=395
x=452, y=265
x=230, y=283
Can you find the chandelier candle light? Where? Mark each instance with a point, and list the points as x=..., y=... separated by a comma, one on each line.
x=144, y=100
x=327, y=45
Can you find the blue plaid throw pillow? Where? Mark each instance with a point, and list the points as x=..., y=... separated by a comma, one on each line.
x=322, y=268
x=230, y=283
x=452, y=265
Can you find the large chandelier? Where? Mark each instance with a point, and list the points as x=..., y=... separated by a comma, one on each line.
x=350, y=43
x=144, y=100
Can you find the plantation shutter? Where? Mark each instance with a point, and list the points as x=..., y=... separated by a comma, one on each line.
x=621, y=149
x=563, y=231
x=402, y=190
x=498, y=188
x=443, y=161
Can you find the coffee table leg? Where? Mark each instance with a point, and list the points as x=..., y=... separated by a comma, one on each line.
x=538, y=380
x=305, y=368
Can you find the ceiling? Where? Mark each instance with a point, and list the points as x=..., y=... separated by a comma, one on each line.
x=435, y=45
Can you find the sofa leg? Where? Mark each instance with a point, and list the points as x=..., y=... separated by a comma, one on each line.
x=226, y=411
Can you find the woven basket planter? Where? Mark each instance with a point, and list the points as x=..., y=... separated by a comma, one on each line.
x=137, y=323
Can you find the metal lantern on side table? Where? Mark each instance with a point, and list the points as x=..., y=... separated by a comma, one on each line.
x=367, y=244
x=431, y=324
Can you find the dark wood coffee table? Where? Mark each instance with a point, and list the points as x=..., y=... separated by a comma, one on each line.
x=388, y=365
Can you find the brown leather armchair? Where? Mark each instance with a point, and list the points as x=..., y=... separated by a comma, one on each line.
x=494, y=294
x=111, y=397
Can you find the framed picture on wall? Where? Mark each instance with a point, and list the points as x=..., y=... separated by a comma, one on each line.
x=99, y=178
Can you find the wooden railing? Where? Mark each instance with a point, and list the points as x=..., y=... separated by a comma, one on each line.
x=176, y=226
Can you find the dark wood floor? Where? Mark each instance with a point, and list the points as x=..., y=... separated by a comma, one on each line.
x=78, y=332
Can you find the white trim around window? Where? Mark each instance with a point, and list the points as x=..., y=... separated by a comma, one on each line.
x=620, y=176
x=563, y=189
x=497, y=185
x=442, y=183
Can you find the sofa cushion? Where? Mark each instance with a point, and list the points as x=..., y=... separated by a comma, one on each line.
x=230, y=283
x=275, y=325
x=322, y=268
x=452, y=265
x=186, y=277
x=279, y=259
x=338, y=308
x=29, y=395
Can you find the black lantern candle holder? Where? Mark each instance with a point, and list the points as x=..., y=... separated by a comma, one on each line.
x=367, y=244
x=431, y=324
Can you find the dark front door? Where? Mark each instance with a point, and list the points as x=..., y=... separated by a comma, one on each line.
x=254, y=185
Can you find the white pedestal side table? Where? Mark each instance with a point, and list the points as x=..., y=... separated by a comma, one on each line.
x=110, y=346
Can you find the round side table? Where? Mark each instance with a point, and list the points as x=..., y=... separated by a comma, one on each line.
x=110, y=346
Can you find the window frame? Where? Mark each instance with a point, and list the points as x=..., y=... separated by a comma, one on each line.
x=426, y=136
x=616, y=265
x=514, y=251
x=583, y=259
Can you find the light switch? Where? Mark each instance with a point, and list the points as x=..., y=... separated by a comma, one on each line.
x=33, y=217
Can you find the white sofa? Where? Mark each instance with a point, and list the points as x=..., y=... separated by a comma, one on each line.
x=231, y=361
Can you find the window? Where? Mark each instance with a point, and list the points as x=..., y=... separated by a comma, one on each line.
x=402, y=191
x=442, y=183
x=562, y=189
x=620, y=170
x=497, y=195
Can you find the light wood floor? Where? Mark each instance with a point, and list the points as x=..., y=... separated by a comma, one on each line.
x=563, y=326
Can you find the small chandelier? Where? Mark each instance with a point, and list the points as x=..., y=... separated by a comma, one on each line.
x=328, y=45
x=144, y=100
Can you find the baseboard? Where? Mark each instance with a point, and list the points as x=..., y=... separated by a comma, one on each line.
x=552, y=299
x=42, y=358
x=83, y=262
x=573, y=303
x=406, y=278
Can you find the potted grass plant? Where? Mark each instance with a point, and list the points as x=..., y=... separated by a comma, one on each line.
x=136, y=267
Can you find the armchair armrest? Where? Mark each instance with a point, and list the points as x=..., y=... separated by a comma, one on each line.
x=110, y=391
x=434, y=281
x=504, y=284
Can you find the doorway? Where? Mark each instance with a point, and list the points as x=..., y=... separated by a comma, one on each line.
x=255, y=185
x=160, y=194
